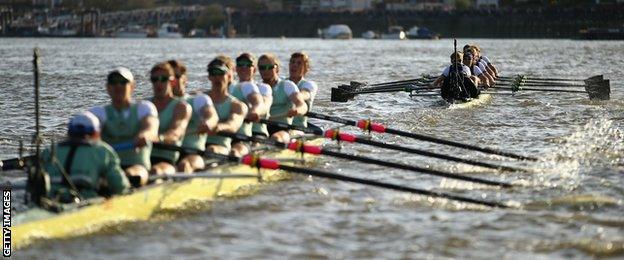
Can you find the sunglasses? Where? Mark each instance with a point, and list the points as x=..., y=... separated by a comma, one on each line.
x=266, y=66
x=161, y=79
x=216, y=72
x=178, y=76
x=244, y=63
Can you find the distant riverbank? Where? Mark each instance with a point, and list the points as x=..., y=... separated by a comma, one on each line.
x=495, y=23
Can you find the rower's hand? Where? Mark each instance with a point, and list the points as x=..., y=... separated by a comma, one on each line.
x=215, y=130
x=203, y=128
x=169, y=139
x=141, y=141
x=253, y=116
x=292, y=112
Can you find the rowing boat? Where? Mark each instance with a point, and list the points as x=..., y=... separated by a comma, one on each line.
x=147, y=203
x=475, y=102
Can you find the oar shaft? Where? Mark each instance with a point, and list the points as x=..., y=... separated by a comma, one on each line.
x=370, y=126
x=257, y=162
x=390, y=186
x=541, y=90
x=317, y=150
x=537, y=78
x=396, y=82
x=563, y=85
x=434, y=155
x=413, y=168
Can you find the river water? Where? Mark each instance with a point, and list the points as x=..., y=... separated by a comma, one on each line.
x=571, y=201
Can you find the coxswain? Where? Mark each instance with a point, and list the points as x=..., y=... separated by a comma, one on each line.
x=230, y=110
x=203, y=119
x=455, y=81
x=287, y=100
x=83, y=167
x=298, y=68
x=173, y=114
x=126, y=121
x=247, y=91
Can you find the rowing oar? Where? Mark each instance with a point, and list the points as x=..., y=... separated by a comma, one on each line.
x=367, y=125
x=335, y=134
x=362, y=84
x=343, y=95
x=595, y=90
x=272, y=164
x=301, y=147
x=522, y=77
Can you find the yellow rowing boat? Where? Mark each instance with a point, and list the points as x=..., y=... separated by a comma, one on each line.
x=144, y=204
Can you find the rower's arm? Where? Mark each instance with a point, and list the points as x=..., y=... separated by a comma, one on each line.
x=117, y=182
x=257, y=108
x=489, y=70
x=181, y=116
x=148, y=132
x=493, y=68
x=299, y=105
x=484, y=79
x=305, y=94
x=490, y=78
x=268, y=101
x=210, y=119
x=235, y=121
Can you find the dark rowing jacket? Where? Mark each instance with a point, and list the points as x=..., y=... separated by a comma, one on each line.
x=458, y=86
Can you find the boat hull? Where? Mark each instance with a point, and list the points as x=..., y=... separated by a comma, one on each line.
x=144, y=204
x=473, y=103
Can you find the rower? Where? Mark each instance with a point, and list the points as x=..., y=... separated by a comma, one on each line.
x=173, y=115
x=455, y=81
x=298, y=67
x=480, y=58
x=126, y=121
x=203, y=119
x=248, y=92
x=246, y=69
x=477, y=76
x=287, y=101
x=231, y=111
x=83, y=167
x=486, y=73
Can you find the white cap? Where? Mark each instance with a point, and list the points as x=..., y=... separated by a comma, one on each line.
x=124, y=72
x=84, y=123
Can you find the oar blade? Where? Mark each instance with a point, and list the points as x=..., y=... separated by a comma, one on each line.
x=599, y=90
x=593, y=79
x=340, y=95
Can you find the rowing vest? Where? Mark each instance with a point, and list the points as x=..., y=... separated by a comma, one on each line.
x=191, y=138
x=165, y=117
x=93, y=168
x=303, y=120
x=118, y=129
x=237, y=92
x=224, y=109
x=281, y=103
